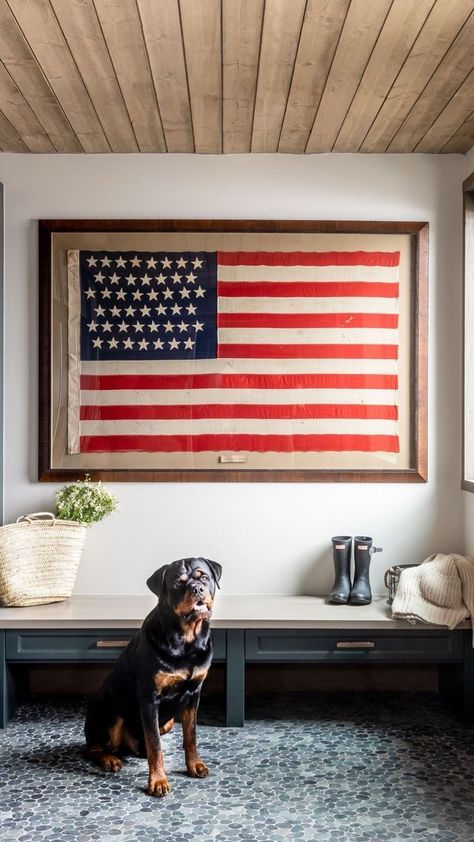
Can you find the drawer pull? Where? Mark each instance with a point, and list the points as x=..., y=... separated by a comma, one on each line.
x=355, y=644
x=112, y=644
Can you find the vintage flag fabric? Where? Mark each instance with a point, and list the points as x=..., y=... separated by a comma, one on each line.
x=233, y=351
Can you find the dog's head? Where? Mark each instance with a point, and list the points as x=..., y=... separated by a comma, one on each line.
x=188, y=587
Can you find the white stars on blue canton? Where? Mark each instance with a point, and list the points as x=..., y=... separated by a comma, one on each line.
x=143, y=305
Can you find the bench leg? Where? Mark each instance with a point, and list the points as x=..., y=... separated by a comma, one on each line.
x=8, y=688
x=235, y=678
x=3, y=683
x=468, y=680
x=456, y=682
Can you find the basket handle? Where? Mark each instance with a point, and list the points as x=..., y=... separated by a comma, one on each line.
x=48, y=517
x=388, y=573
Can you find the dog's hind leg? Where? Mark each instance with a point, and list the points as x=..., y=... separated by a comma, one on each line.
x=109, y=762
x=165, y=729
x=104, y=736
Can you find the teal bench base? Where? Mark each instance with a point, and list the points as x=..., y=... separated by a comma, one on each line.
x=451, y=651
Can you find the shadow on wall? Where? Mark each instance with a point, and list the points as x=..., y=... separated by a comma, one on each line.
x=318, y=578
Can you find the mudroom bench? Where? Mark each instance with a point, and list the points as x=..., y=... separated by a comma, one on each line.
x=246, y=629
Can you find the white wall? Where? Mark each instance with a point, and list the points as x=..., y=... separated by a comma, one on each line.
x=268, y=537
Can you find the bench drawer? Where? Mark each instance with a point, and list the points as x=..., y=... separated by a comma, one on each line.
x=297, y=645
x=82, y=645
x=66, y=644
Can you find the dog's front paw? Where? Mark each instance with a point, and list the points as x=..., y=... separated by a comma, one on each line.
x=198, y=769
x=158, y=787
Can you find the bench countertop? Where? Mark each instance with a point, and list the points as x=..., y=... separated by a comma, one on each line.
x=248, y=611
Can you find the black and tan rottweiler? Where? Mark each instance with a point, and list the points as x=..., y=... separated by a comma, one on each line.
x=159, y=676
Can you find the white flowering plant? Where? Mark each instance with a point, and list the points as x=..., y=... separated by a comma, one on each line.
x=85, y=502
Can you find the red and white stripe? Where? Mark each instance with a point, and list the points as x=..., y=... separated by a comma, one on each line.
x=307, y=361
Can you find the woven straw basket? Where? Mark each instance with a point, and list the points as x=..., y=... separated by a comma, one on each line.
x=39, y=557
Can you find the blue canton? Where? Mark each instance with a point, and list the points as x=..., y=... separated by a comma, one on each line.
x=148, y=305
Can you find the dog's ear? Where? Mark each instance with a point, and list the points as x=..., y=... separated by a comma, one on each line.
x=157, y=580
x=216, y=570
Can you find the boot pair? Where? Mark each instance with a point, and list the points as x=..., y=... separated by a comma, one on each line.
x=359, y=592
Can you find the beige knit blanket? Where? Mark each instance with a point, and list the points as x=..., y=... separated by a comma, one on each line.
x=438, y=591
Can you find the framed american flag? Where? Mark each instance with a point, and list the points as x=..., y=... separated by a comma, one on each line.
x=233, y=350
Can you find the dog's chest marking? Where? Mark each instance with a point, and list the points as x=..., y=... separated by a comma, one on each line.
x=170, y=680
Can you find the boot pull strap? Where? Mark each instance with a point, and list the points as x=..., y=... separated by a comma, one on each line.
x=371, y=550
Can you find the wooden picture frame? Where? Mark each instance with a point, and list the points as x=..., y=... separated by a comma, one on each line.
x=63, y=262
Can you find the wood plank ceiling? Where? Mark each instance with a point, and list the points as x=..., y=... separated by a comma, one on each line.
x=236, y=76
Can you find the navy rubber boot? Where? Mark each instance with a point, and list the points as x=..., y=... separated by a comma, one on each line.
x=361, y=593
x=341, y=553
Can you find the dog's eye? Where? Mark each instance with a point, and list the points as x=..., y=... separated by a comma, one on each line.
x=181, y=582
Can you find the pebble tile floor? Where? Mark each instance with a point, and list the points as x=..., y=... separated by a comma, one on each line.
x=342, y=767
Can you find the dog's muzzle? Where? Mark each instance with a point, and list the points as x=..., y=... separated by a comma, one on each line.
x=202, y=597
